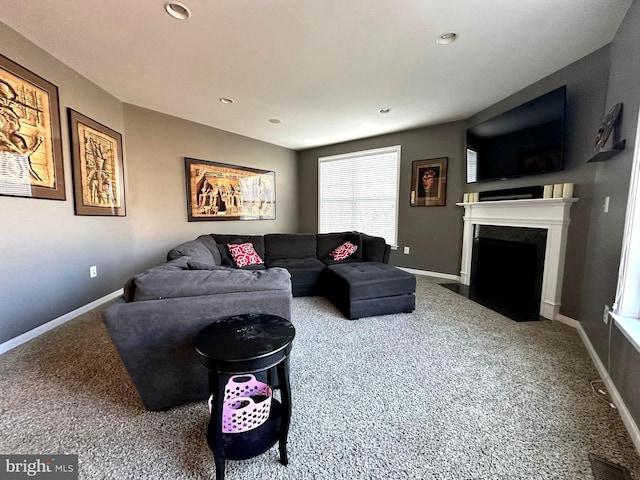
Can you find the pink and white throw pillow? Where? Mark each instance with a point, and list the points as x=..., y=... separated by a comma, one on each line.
x=344, y=251
x=244, y=254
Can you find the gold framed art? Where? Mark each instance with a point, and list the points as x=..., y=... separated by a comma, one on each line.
x=218, y=191
x=31, y=162
x=98, y=167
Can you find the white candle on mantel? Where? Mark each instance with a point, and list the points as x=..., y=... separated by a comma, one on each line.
x=567, y=190
x=465, y=198
x=548, y=191
x=557, y=190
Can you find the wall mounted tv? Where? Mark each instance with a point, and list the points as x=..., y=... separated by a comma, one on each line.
x=527, y=140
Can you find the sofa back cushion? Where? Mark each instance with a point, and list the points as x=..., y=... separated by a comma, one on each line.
x=226, y=259
x=156, y=285
x=175, y=265
x=209, y=242
x=328, y=242
x=279, y=246
x=203, y=250
x=374, y=249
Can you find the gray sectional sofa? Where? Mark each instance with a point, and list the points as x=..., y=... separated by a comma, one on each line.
x=154, y=323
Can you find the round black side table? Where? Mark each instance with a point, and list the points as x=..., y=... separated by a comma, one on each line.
x=245, y=344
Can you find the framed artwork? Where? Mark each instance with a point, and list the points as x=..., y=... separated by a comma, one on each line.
x=217, y=191
x=429, y=182
x=98, y=167
x=30, y=140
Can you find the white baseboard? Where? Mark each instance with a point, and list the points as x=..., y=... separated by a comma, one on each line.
x=431, y=274
x=31, y=334
x=569, y=321
x=627, y=419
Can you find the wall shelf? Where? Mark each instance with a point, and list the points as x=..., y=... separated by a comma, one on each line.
x=606, y=154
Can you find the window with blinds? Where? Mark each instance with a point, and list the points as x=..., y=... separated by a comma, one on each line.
x=626, y=308
x=359, y=191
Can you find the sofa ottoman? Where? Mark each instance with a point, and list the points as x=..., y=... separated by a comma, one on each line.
x=366, y=289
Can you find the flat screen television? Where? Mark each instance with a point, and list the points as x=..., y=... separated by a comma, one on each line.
x=526, y=140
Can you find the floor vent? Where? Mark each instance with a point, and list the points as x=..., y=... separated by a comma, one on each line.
x=605, y=470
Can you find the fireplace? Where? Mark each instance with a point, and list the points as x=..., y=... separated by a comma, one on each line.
x=539, y=224
x=507, y=270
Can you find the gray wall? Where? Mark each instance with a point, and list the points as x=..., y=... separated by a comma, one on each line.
x=606, y=230
x=434, y=234
x=156, y=147
x=586, y=82
x=47, y=250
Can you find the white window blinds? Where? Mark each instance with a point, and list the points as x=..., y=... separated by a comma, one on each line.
x=627, y=303
x=359, y=191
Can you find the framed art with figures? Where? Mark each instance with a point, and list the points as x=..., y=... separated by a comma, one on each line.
x=30, y=140
x=429, y=182
x=218, y=191
x=98, y=167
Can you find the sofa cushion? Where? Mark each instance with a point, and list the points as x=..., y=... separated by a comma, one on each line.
x=209, y=242
x=175, y=265
x=289, y=245
x=197, y=251
x=365, y=280
x=305, y=274
x=188, y=283
x=297, y=264
x=328, y=242
x=203, y=266
x=129, y=290
x=374, y=249
x=225, y=256
x=244, y=254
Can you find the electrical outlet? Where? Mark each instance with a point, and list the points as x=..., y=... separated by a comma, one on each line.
x=606, y=205
x=406, y=250
x=605, y=315
x=93, y=271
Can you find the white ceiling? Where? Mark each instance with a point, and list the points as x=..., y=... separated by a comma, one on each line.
x=324, y=67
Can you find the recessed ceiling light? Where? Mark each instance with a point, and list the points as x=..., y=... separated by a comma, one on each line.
x=226, y=100
x=274, y=120
x=384, y=110
x=446, y=38
x=177, y=10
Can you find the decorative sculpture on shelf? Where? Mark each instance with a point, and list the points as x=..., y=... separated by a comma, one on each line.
x=609, y=123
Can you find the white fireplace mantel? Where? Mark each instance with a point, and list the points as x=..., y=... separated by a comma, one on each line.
x=551, y=214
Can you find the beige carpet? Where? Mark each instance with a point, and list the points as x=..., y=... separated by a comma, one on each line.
x=453, y=391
